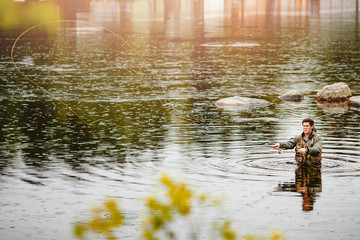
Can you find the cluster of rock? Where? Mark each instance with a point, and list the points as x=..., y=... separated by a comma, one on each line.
x=335, y=93
x=338, y=93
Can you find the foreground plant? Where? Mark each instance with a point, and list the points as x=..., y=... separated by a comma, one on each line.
x=163, y=213
x=104, y=220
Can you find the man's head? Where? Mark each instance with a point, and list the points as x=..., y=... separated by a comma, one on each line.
x=308, y=125
x=309, y=120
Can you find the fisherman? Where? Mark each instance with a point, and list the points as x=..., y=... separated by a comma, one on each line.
x=308, y=145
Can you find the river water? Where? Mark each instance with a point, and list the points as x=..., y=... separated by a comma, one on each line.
x=151, y=72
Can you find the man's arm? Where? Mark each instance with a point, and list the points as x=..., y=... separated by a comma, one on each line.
x=317, y=147
x=286, y=145
x=290, y=144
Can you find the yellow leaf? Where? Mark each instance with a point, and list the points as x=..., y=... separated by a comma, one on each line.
x=79, y=230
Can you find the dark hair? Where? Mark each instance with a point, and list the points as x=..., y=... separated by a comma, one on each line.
x=309, y=120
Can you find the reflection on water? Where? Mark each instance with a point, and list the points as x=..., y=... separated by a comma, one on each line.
x=158, y=81
x=307, y=182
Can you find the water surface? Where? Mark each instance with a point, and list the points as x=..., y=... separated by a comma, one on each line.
x=152, y=72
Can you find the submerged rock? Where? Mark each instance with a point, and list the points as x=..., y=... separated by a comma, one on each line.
x=292, y=95
x=241, y=103
x=334, y=107
x=354, y=102
x=337, y=92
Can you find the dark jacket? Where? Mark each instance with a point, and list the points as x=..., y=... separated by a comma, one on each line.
x=313, y=144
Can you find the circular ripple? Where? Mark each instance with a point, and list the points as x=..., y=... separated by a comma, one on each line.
x=271, y=164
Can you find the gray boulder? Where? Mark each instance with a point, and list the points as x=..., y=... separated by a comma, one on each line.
x=337, y=92
x=241, y=103
x=292, y=95
x=354, y=102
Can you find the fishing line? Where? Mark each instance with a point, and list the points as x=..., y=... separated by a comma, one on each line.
x=57, y=98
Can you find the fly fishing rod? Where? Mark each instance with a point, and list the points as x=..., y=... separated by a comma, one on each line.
x=72, y=110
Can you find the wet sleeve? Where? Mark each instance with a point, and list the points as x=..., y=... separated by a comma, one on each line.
x=290, y=144
x=317, y=147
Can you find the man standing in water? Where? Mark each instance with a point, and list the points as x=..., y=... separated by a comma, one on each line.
x=308, y=145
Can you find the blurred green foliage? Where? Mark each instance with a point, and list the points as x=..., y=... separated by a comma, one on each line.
x=25, y=14
x=160, y=213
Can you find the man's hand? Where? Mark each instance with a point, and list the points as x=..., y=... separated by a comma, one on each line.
x=275, y=146
x=301, y=151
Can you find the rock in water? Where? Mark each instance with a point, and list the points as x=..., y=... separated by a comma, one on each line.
x=355, y=102
x=241, y=103
x=334, y=93
x=292, y=95
x=334, y=107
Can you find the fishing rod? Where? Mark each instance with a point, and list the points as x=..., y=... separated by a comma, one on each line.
x=53, y=96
